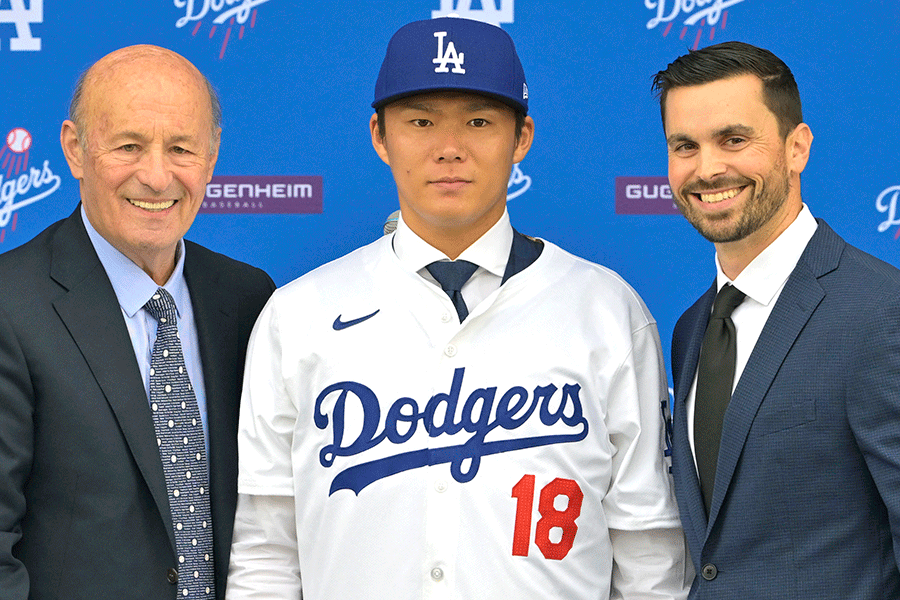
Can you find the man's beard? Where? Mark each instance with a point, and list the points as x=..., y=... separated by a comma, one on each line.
x=767, y=199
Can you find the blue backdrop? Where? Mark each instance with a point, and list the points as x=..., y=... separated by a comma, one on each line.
x=296, y=80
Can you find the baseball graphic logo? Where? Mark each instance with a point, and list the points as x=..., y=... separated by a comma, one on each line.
x=18, y=140
x=21, y=182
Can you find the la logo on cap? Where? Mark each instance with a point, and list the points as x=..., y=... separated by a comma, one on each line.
x=447, y=57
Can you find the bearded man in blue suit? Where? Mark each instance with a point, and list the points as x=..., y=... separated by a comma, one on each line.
x=789, y=480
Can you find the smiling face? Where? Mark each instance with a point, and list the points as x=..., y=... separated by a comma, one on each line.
x=736, y=180
x=148, y=151
x=451, y=155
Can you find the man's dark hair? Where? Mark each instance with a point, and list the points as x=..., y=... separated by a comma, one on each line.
x=731, y=59
x=520, y=122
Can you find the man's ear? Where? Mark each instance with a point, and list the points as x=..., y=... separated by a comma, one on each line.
x=526, y=136
x=378, y=141
x=72, y=148
x=214, y=154
x=798, y=147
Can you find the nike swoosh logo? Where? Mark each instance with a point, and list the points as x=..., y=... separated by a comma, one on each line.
x=338, y=324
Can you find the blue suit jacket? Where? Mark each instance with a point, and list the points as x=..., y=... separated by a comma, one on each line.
x=806, y=503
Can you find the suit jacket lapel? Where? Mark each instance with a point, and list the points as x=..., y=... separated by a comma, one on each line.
x=216, y=318
x=796, y=304
x=91, y=313
x=215, y=314
x=689, y=353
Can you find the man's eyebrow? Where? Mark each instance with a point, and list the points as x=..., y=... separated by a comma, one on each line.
x=182, y=138
x=742, y=130
x=726, y=131
x=474, y=106
x=417, y=105
x=678, y=137
x=128, y=135
x=484, y=105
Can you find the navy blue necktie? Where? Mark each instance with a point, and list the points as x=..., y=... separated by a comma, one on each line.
x=715, y=378
x=182, y=449
x=452, y=275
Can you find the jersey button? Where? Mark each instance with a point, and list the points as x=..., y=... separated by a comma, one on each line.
x=450, y=350
x=445, y=318
x=440, y=486
x=437, y=573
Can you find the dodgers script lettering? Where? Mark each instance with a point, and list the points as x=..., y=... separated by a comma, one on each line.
x=13, y=190
x=517, y=178
x=479, y=415
x=195, y=11
x=887, y=202
x=667, y=10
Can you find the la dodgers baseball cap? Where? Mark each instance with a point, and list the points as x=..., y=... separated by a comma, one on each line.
x=452, y=54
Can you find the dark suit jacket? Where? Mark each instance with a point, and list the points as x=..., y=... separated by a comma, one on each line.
x=807, y=495
x=83, y=508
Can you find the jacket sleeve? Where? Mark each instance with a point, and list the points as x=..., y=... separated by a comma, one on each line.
x=873, y=405
x=16, y=450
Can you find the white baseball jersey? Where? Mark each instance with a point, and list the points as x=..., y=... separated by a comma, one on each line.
x=417, y=457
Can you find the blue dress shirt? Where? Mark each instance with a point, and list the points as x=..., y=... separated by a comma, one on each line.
x=133, y=287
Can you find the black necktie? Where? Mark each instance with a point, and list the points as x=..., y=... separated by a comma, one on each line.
x=179, y=435
x=715, y=377
x=452, y=275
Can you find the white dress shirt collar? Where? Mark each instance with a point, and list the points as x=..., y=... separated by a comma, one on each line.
x=490, y=251
x=766, y=274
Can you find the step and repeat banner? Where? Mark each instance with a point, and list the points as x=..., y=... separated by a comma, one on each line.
x=298, y=184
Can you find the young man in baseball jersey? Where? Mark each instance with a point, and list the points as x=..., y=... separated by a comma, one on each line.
x=456, y=410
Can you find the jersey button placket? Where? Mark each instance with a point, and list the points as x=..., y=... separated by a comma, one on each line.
x=442, y=518
x=443, y=500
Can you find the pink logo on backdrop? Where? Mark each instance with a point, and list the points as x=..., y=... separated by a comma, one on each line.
x=263, y=194
x=644, y=196
x=21, y=184
x=690, y=18
x=221, y=17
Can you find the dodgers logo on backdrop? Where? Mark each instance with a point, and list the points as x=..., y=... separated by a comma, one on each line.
x=486, y=410
x=23, y=18
x=518, y=183
x=21, y=184
x=887, y=203
x=449, y=56
x=222, y=13
x=491, y=11
x=700, y=13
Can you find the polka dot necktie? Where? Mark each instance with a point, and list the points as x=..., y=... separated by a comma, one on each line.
x=179, y=435
x=452, y=275
x=715, y=378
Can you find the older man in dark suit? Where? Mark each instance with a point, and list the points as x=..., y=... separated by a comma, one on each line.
x=786, y=452
x=121, y=355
